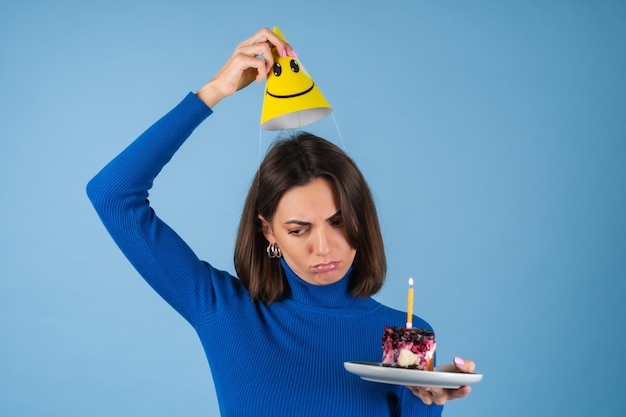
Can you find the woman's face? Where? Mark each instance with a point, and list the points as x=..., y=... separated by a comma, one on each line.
x=308, y=229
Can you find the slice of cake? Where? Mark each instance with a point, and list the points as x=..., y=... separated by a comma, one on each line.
x=408, y=348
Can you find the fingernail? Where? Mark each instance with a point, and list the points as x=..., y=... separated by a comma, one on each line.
x=426, y=388
x=459, y=361
x=283, y=53
x=466, y=390
x=294, y=53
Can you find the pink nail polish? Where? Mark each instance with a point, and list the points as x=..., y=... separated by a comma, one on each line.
x=283, y=53
x=458, y=361
x=294, y=53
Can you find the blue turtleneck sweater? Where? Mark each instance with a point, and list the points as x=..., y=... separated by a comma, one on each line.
x=280, y=359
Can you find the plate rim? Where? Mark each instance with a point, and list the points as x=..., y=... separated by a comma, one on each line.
x=402, y=376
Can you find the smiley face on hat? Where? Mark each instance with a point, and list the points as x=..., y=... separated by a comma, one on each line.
x=291, y=98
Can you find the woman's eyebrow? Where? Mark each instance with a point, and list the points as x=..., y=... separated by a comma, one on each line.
x=303, y=223
x=298, y=222
x=334, y=216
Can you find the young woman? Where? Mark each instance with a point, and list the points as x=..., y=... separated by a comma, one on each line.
x=309, y=256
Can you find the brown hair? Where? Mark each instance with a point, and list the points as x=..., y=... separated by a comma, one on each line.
x=296, y=161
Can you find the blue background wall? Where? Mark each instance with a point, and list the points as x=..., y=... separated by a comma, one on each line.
x=492, y=133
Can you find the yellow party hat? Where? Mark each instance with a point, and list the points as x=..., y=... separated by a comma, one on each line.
x=291, y=99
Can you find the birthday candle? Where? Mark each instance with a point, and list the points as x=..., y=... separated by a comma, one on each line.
x=409, y=311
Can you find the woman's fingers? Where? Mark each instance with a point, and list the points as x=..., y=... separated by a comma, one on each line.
x=464, y=365
x=460, y=365
x=430, y=395
x=251, y=60
x=261, y=58
x=439, y=396
x=265, y=35
x=260, y=45
x=423, y=393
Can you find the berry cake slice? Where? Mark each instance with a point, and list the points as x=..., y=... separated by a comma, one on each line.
x=408, y=348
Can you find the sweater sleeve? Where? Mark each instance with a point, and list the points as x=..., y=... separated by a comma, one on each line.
x=119, y=193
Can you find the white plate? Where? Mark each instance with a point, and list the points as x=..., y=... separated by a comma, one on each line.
x=439, y=378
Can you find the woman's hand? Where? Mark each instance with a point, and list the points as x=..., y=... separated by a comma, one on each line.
x=439, y=396
x=251, y=60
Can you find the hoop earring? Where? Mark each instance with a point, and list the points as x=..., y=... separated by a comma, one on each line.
x=273, y=251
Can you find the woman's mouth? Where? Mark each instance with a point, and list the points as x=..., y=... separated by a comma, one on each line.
x=327, y=267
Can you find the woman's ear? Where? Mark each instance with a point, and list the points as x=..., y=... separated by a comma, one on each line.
x=267, y=230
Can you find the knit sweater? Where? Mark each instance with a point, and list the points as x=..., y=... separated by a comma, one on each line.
x=279, y=359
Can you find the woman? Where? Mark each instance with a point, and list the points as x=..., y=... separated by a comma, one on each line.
x=309, y=255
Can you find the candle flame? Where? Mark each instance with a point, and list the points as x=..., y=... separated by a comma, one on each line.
x=411, y=282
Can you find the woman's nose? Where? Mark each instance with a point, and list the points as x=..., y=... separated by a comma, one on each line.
x=321, y=243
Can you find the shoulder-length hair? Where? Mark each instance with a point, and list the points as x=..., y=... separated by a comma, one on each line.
x=293, y=162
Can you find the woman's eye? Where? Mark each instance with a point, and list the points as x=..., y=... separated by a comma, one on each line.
x=337, y=223
x=296, y=232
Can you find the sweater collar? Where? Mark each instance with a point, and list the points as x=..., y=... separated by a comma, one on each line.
x=329, y=296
